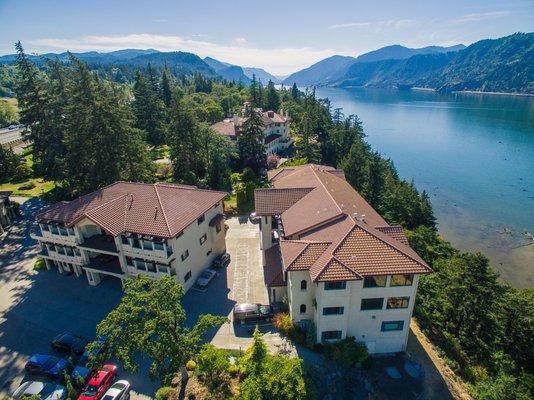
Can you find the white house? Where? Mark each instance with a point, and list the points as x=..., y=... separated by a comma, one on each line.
x=275, y=129
x=127, y=229
x=336, y=260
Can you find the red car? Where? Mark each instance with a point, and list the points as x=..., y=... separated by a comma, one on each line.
x=99, y=383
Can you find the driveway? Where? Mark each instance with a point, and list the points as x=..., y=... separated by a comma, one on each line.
x=37, y=305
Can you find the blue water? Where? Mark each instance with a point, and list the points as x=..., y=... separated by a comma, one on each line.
x=474, y=154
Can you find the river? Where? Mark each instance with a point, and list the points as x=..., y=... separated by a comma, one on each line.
x=474, y=155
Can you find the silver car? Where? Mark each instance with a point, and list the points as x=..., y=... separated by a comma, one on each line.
x=43, y=390
x=205, y=277
x=120, y=390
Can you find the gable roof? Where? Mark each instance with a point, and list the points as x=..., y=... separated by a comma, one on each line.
x=162, y=210
x=331, y=230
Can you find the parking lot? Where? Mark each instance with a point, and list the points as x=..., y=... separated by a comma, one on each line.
x=37, y=305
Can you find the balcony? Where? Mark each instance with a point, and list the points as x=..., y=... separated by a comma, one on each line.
x=53, y=234
x=105, y=264
x=100, y=244
x=64, y=254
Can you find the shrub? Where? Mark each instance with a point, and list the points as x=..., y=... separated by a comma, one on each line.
x=248, y=176
x=190, y=365
x=213, y=366
x=476, y=373
x=39, y=264
x=23, y=171
x=346, y=352
x=27, y=186
x=272, y=161
x=283, y=322
x=233, y=369
x=164, y=392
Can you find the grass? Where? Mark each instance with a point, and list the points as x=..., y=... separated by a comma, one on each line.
x=41, y=187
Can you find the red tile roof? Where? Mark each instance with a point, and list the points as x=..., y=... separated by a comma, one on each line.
x=273, y=274
x=331, y=230
x=162, y=210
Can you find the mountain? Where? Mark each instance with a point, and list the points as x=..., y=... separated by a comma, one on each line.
x=332, y=69
x=322, y=72
x=261, y=75
x=398, y=52
x=227, y=71
x=497, y=65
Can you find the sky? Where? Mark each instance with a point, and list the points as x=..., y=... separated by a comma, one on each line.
x=279, y=36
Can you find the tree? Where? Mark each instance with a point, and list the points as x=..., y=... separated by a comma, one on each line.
x=212, y=366
x=166, y=88
x=150, y=322
x=250, y=141
x=273, y=99
x=295, y=92
x=149, y=109
x=8, y=164
x=8, y=115
x=255, y=356
x=102, y=144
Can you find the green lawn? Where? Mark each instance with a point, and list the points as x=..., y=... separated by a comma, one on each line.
x=41, y=187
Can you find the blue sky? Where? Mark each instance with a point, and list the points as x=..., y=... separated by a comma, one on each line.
x=280, y=36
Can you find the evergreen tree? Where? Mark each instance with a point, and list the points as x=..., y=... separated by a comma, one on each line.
x=250, y=142
x=8, y=163
x=148, y=107
x=273, y=99
x=166, y=88
x=295, y=92
x=254, y=92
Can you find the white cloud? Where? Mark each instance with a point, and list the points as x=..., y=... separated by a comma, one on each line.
x=281, y=60
x=480, y=16
x=349, y=25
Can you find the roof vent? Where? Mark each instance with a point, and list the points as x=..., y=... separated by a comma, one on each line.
x=155, y=213
x=359, y=217
x=131, y=201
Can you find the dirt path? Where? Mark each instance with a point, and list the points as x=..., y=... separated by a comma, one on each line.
x=437, y=372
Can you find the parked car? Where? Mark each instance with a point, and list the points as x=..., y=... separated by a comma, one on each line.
x=120, y=390
x=221, y=261
x=42, y=390
x=82, y=369
x=252, y=313
x=205, y=277
x=68, y=343
x=99, y=383
x=254, y=218
x=50, y=366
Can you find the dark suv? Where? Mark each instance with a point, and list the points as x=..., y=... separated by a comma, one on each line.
x=252, y=313
x=221, y=261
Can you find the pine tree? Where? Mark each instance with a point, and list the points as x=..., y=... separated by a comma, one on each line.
x=295, y=92
x=253, y=92
x=273, y=99
x=166, y=88
x=149, y=108
x=250, y=142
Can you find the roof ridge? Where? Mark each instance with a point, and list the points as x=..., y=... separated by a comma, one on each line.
x=392, y=245
x=105, y=204
x=162, y=209
x=186, y=187
x=324, y=187
x=334, y=258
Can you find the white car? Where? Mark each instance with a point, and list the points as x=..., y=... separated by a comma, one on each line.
x=120, y=390
x=43, y=390
x=205, y=277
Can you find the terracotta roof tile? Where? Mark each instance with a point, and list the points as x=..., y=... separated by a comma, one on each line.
x=273, y=274
x=335, y=270
x=161, y=210
x=308, y=256
x=276, y=201
x=395, y=231
x=226, y=127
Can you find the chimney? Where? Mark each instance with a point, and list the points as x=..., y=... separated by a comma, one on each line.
x=270, y=114
x=236, y=120
x=155, y=213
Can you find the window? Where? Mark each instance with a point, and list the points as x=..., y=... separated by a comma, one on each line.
x=398, y=302
x=147, y=245
x=333, y=310
x=124, y=240
x=303, y=284
x=303, y=308
x=136, y=243
x=70, y=231
x=374, y=281
x=330, y=335
x=203, y=239
x=158, y=246
x=54, y=230
x=341, y=285
x=151, y=266
x=372, y=304
x=218, y=227
x=401, y=280
x=209, y=252
x=187, y=276
x=185, y=254
x=129, y=261
x=392, y=326
x=45, y=227
x=201, y=219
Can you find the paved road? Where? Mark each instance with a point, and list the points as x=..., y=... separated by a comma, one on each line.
x=10, y=136
x=35, y=306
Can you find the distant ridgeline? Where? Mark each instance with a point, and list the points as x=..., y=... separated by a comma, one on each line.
x=500, y=65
